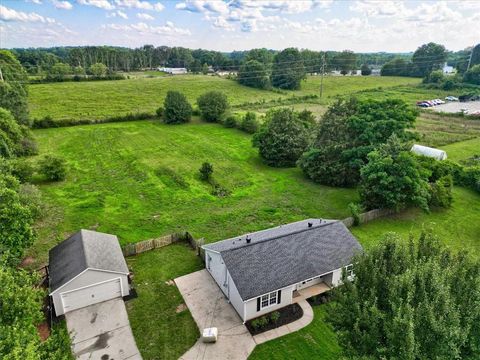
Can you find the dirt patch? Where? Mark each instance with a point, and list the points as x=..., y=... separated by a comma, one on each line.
x=287, y=315
x=43, y=331
x=26, y=262
x=180, y=308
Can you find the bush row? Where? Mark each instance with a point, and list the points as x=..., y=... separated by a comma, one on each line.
x=50, y=79
x=49, y=122
x=291, y=100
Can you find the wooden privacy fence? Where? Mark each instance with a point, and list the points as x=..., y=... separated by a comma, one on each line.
x=151, y=244
x=368, y=216
x=146, y=245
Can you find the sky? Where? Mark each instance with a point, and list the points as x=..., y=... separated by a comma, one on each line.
x=227, y=25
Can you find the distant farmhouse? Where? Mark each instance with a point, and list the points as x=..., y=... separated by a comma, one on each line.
x=266, y=270
x=173, y=71
x=429, y=152
x=447, y=69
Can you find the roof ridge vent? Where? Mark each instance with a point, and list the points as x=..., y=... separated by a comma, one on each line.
x=248, y=239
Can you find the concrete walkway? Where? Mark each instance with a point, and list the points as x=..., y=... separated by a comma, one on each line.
x=102, y=332
x=210, y=308
x=289, y=328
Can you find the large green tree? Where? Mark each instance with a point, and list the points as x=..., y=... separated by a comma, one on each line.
x=349, y=130
x=13, y=89
x=345, y=61
x=392, y=179
x=282, y=138
x=213, y=105
x=254, y=74
x=288, y=69
x=176, y=108
x=472, y=76
x=410, y=301
x=429, y=57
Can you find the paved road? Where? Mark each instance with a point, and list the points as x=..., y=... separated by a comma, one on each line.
x=102, y=332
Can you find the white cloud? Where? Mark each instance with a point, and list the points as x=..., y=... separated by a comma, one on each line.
x=145, y=16
x=122, y=14
x=38, y=2
x=139, y=4
x=169, y=29
x=8, y=14
x=101, y=4
x=60, y=4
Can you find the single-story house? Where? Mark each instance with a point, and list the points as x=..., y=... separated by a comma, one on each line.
x=173, y=71
x=85, y=269
x=261, y=272
x=447, y=69
x=429, y=152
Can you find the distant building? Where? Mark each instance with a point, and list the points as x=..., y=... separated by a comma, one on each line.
x=447, y=69
x=173, y=71
x=429, y=152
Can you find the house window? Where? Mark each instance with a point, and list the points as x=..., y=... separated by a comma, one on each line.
x=268, y=300
x=349, y=270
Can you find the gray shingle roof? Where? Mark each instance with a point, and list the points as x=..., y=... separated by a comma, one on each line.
x=84, y=249
x=288, y=257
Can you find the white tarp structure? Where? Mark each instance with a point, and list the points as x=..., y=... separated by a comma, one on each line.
x=429, y=152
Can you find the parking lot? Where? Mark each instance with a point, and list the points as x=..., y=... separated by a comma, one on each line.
x=456, y=107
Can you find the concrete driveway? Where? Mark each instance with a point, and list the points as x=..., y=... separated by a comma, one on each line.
x=209, y=308
x=102, y=332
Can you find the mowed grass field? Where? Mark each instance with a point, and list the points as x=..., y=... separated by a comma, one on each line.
x=463, y=150
x=101, y=99
x=140, y=180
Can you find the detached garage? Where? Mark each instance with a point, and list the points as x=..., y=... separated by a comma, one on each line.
x=85, y=269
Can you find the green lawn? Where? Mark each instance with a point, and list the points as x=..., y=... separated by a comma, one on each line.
x=464, y=149
x=316, y=341
x=100, y=99
x=160, y=331
x=139, y=180
x=458, y=227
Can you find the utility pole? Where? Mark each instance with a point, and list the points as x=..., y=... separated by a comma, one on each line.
x=470, y=59
x=323, y=72
x=1, y=75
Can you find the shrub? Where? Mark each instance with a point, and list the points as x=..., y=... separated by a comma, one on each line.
x=355, y=210
x=206, y=171
x=53, y=168
x=249, y=123
x=159, y=112
x=365, y=70
x=177, y=110
x=212, y=105
x=282, y=138
x=435, y=77
x=274, y=316
x=230, y=122
x=441, y=192
x=256, y=323
x=472, y=76
x=22, y=170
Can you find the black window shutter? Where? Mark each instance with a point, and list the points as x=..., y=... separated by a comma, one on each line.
x=279, y=297
x=258, y=304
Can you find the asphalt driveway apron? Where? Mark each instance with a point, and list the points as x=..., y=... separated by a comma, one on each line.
x=102, y=332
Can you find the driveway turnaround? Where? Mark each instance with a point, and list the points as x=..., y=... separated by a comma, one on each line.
x=102, y=332
x=209, y=308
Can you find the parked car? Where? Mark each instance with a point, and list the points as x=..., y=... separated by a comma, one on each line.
x=451, y=98
x=440, y=101
x=423, y=105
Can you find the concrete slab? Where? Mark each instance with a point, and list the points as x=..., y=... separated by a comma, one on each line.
x=210, y=308
x=102, y=331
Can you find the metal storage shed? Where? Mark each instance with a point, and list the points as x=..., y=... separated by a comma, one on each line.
x=85, y=269
x=429, y=152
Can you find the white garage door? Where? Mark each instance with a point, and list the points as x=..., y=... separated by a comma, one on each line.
x=103, y=291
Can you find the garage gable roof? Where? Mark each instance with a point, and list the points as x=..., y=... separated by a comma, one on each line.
x=84, y=249
x=284, y=259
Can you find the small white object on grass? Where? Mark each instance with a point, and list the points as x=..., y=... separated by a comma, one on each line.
x=210, y=335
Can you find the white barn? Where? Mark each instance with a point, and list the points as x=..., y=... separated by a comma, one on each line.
x=85, y=269
x=264, y=271
x=429, y=152
x=173, y=71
